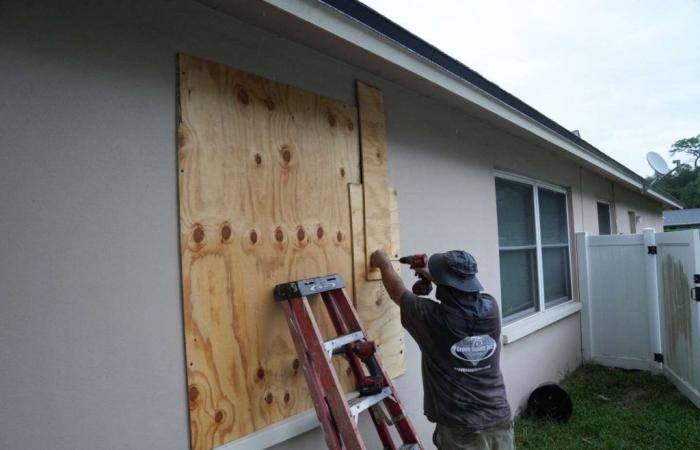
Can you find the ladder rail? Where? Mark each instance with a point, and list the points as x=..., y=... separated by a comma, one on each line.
x=405, y=428
x=337, y=415
x=315, y=388
x=349, y=433
x=355, y=364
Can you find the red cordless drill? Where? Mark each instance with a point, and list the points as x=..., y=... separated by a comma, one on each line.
x=422, y=286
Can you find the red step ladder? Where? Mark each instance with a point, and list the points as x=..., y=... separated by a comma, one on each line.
x=338, y=415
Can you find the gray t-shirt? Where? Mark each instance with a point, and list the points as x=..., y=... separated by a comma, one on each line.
x=460, y=342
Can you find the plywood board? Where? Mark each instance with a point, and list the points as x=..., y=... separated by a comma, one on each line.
x=379, y=314
x=395, y=232
x=263, y=169
x=375, y=175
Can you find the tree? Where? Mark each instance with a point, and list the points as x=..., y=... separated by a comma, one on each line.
x=684, y=184
x=689, y=146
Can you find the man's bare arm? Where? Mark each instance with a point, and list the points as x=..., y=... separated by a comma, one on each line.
x=391, y=280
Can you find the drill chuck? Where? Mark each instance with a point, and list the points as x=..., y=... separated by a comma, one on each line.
x=420, y=260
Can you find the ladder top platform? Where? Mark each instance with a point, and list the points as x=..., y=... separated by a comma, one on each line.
x=308, y=286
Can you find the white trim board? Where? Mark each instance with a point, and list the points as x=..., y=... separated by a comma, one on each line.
x=275, y=433
x=356, y=33
x=280, y=431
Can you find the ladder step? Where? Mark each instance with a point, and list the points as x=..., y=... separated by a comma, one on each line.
x=359, y=404
x=345, y=339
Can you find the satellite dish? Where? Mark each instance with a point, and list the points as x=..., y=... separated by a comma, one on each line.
x=658, y=163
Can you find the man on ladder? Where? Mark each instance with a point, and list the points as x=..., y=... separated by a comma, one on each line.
x=459, y=339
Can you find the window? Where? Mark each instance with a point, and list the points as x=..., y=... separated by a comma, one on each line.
x=533, y=240
x=603, y=218
x=633, y=221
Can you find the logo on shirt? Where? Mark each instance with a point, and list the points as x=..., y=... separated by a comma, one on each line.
x=474, y=348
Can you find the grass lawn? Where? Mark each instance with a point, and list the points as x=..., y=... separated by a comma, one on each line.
x=617, y=409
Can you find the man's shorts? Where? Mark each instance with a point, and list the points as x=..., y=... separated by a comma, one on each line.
x=499, y=437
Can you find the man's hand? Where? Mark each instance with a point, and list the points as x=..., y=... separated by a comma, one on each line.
x=424, y=272
x=391, y=280
x=378, y=259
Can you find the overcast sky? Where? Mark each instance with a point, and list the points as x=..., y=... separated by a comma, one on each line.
x=625, y=73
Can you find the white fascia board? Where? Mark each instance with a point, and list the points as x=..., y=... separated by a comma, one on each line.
x=347, y=28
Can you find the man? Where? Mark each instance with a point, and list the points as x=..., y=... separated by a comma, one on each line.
x=459, y=339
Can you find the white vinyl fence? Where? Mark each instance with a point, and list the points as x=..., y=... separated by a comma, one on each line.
x=640, y=296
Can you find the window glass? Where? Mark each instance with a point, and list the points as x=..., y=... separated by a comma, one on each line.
x=518, y=282
x=603, y=218
x=516, y=222
x=633, y=221
x=555, y=271
x=517, y=242
x=553, y=217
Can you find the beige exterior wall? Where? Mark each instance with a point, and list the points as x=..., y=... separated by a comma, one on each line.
x=595, y=188
x=90, y=285
x=622, y=201
x=649, y=212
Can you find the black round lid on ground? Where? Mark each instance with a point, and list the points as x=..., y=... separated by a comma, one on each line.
x=550, y=402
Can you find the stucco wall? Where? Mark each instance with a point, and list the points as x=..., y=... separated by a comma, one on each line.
x=622, y=200
x=650, y=213
x=594, y=188
x=90, y=307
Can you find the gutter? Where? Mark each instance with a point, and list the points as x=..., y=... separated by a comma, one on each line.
x=360, y=25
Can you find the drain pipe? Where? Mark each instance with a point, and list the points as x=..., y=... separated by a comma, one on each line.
x=653, y=300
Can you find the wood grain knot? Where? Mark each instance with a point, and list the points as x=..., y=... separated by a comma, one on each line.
x=295, y=364
x=351, y=126
x=253, y=236
x=342, y=172
x=279, y=234
x=269, y=103
x=379, y=156
x=301, y=234
x=331, y=119
x=269, y=397
x=319, y=232
x=339, y=236
x=286, y=154
x=378, y=302
x=181, y=139
x=225, y=233
x=243, y=97
x=258, y=159
x=198, y=234
x=219, y=416
x=193, y=393
x=261, y=373
x=287, y=397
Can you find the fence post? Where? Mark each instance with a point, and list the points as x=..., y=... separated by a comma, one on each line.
x=652, y=282
x=583, y=288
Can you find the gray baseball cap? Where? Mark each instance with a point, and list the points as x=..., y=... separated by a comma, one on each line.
x=456, y=269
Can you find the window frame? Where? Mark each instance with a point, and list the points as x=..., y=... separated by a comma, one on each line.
x=632, y=217
x=569, y=304
x=610, y=217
